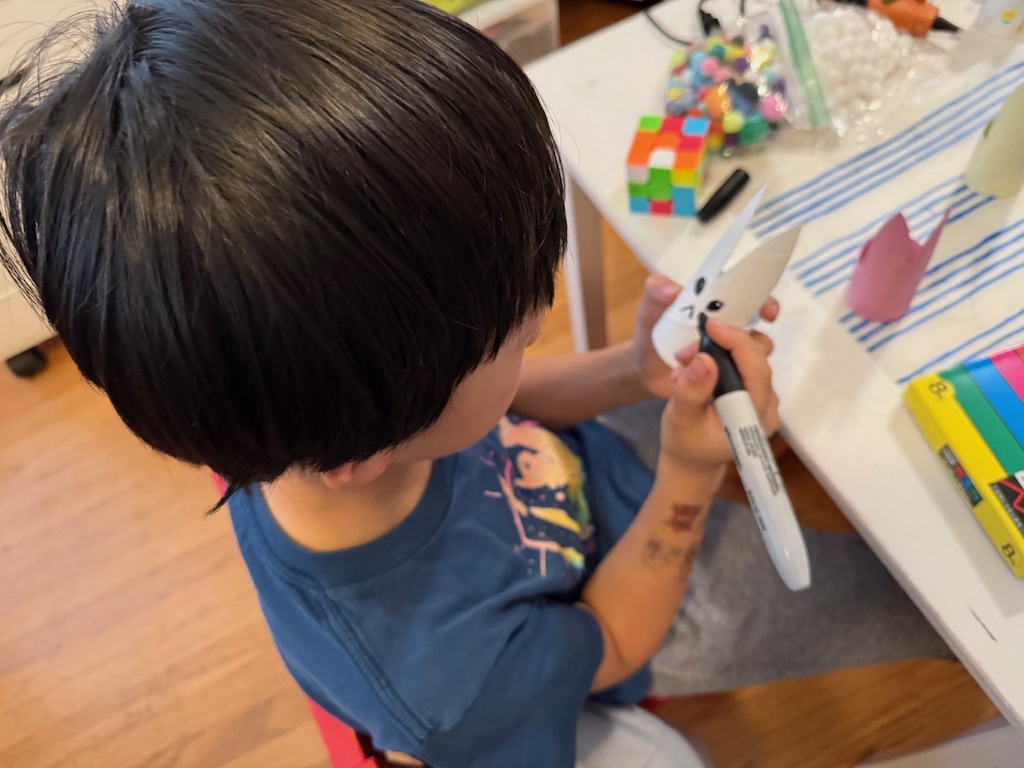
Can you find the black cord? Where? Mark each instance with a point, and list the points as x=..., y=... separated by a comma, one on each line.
x=708, y=23
x=668, y=35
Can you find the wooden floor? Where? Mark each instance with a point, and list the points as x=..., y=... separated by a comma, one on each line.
x=130, y=635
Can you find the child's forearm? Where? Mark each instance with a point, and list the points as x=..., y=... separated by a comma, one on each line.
x=562, y=390
x=635, y=592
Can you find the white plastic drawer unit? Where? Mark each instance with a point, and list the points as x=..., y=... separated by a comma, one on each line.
x=21, y=328
x=22, y=23
x=525, y=29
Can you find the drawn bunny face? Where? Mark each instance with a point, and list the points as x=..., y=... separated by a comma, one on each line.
x=696, y=294
x=734, y=296
x=693, y=307
x=737, y=295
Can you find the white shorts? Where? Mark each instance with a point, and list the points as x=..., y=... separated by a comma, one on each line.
x=631, y=737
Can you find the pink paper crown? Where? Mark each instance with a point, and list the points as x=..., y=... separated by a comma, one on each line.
x=889, y=268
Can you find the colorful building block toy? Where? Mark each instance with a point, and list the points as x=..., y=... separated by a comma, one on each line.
x=666, y=165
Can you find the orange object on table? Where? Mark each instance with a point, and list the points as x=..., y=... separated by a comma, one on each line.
x=913, y=16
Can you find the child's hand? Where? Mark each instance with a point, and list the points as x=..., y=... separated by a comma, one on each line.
x=692, y=437
x=659, y=293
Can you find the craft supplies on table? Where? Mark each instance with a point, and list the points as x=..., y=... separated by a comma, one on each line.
x=738, y=85
x=868, y=68
x=968, y=303
x=972, y=416
x=889, y=270
x=842, y=409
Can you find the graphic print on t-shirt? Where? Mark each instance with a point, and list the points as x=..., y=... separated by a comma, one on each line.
x=542, y=481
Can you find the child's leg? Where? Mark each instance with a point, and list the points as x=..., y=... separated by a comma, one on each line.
x=739, y=625
x=630, y=737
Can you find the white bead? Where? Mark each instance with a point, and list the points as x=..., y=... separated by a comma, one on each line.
x=826, y=26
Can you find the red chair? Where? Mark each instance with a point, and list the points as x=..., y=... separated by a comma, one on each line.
x=345, y=747
x=348, y=749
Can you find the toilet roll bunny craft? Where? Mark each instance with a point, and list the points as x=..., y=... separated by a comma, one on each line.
x=734, y=295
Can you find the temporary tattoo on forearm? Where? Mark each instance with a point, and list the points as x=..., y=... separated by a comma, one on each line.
x=658, y=556
x=684, y=516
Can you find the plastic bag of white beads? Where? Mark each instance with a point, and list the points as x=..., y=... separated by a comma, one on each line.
x=868, y=68
x=752, y=80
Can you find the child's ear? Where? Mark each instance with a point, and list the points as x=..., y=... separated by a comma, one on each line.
x=356, y=473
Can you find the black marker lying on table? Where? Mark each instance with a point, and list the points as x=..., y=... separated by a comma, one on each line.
x=758, y=470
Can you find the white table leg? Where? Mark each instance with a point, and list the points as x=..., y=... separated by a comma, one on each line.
x=584, y=271
x=994, y=744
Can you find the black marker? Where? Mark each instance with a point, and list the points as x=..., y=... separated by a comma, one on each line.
x=723, y=195
x=756, y=464
x=917, y=17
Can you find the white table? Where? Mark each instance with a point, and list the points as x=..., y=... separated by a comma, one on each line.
x=841, y=408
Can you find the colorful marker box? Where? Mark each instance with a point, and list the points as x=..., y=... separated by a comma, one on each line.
x=666, y=165
x=973, y=418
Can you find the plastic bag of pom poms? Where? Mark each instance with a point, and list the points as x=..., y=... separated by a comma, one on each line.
x=750, y=81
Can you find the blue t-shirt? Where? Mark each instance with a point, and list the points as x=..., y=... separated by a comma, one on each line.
x=454, y=637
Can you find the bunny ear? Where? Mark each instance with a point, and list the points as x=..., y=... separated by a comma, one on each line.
x=891, y=242
x=743, y=289
x=678, y=325
x=933, y=238
x=707, y=273
x=894, y=233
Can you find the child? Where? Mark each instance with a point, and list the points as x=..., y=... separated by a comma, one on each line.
x=306, y=244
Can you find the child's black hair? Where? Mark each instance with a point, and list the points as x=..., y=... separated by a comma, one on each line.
x=280, y=232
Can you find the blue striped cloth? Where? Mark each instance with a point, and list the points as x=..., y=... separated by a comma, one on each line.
x=970, y=301
x=958, y=120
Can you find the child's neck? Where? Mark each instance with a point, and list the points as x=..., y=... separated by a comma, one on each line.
x=324, y=519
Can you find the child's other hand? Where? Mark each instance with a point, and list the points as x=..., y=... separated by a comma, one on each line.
x=659, y=293
x=692, y=437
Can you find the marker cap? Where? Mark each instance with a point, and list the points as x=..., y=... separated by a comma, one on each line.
x=723, y=195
